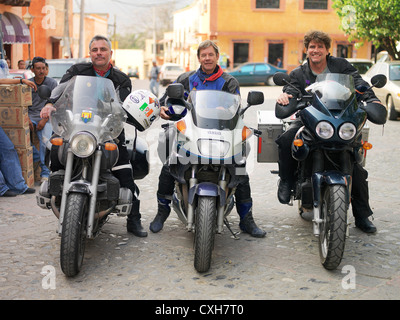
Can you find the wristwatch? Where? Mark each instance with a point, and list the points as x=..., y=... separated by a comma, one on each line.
x=20, y=81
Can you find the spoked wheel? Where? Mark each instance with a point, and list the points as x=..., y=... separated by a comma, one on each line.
x=205, y=224
x=73, y=237
x=333, y=227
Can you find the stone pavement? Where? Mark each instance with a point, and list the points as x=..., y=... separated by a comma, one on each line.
x=283, y=265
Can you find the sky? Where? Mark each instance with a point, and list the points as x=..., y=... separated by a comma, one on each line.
x=130, y=14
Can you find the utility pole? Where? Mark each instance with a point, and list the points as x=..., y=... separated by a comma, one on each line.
x=154, y=34
x=81, y=29
x=67, y=46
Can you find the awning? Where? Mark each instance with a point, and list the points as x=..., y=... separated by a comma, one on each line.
x=14, y=29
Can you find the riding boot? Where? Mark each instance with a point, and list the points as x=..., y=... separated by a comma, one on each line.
x=162, y=214
x=134, y=224
x=247, y=223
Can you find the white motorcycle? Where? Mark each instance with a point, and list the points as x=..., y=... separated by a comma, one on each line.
x=207, y=158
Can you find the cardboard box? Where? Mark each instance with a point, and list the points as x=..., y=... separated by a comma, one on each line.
x=271, y=127
x=15, y=95
x=25, y=156
x=20, y=137
x=29, y=177
x=14, y=116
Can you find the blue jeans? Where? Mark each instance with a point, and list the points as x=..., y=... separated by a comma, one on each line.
x=154, y=84
x=10, y=169
x=44, y=136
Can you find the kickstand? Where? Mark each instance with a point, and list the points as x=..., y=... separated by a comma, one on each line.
x=234, y=234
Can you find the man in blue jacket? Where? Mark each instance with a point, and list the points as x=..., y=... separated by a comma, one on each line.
x=209, y=76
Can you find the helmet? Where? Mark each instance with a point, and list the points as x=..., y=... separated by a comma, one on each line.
x=176, y=108
x=142, y=108
x=3, y=68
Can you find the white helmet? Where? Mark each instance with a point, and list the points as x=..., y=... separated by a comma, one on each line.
x=142, y=108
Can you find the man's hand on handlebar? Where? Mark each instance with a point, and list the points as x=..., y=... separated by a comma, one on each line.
x=46, y=111
x=283, y=98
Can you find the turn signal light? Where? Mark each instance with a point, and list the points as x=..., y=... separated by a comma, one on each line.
x=298, y=142
x=246, y=133
x=110, y=146
x=57, y=141
x=367, y=145
x=181, y=126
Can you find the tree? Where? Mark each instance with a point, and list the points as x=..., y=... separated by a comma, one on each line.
x=372, y=20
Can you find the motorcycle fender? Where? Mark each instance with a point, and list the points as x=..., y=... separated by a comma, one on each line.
x=327, y=178
x=79, y=187
x=209, y=190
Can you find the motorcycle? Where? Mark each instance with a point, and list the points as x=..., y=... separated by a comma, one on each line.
x=88, y=117
x=206, y=153
x=326, y=147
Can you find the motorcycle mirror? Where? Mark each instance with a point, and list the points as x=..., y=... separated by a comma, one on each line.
x=175, y=91
x=281, y=78
x=253, y=98
x=378, y=80
x=44, y=92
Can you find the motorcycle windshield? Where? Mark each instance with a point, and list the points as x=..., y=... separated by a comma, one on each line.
x=334, y=90
x=88, y=104
x=213, y=109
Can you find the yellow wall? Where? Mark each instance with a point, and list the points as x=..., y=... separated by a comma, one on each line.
x=228, y=21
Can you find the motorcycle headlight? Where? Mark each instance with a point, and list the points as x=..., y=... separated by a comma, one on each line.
x=83, y=144
x=347, y=131
x=213, y=148
x=324, y=130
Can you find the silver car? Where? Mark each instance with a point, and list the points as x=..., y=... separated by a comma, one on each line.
x=58, y=67
x=390, y=93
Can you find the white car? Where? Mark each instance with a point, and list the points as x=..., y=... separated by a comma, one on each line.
x=169, y=72
x=390, y=93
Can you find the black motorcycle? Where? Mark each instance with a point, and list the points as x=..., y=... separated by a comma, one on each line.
x=88, y=117
x=326, y=147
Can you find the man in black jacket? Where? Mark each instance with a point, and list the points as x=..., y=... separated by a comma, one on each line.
x=319, y=61
x=100, y=54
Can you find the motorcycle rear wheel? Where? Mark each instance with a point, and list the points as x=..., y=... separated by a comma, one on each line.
x=73, y=236
x=333, y=228
x=205, y=224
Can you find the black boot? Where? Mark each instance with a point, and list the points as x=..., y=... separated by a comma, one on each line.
x=162, y=214
x=247, y=223
x=134, y=224
x=284, y=191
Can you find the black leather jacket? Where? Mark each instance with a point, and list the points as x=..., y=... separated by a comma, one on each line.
x=302, y=76
x=121, y=81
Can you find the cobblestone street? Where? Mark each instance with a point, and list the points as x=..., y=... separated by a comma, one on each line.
x=283, y=265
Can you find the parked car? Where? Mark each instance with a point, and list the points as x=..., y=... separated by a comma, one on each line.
x=169, y=72
x=255, y=72
x=390, y=93
x=58, y=67
x=20, y=73
x=362, y=65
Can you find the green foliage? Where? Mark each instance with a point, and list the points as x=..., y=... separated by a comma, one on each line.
x=372, y=20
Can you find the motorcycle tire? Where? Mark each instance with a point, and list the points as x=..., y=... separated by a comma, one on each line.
x=205, y=224
x=334, y=226
x=73, y=236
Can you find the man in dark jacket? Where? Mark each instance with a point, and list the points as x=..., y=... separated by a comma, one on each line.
x=319, y=61
x=209, y=76
x=100, y=54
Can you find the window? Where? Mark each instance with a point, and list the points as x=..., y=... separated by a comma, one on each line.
x=261, y=68
x=267, y=4
x=240, y=53
x=247, y=68
x=316, y=4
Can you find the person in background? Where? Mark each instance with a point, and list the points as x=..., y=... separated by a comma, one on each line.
x=41, y=126
x=21, y=64
x=12, y=182
x=154, y=78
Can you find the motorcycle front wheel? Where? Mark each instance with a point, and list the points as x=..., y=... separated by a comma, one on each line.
x=73, y=236
x=205, y=223
x=333, y=227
